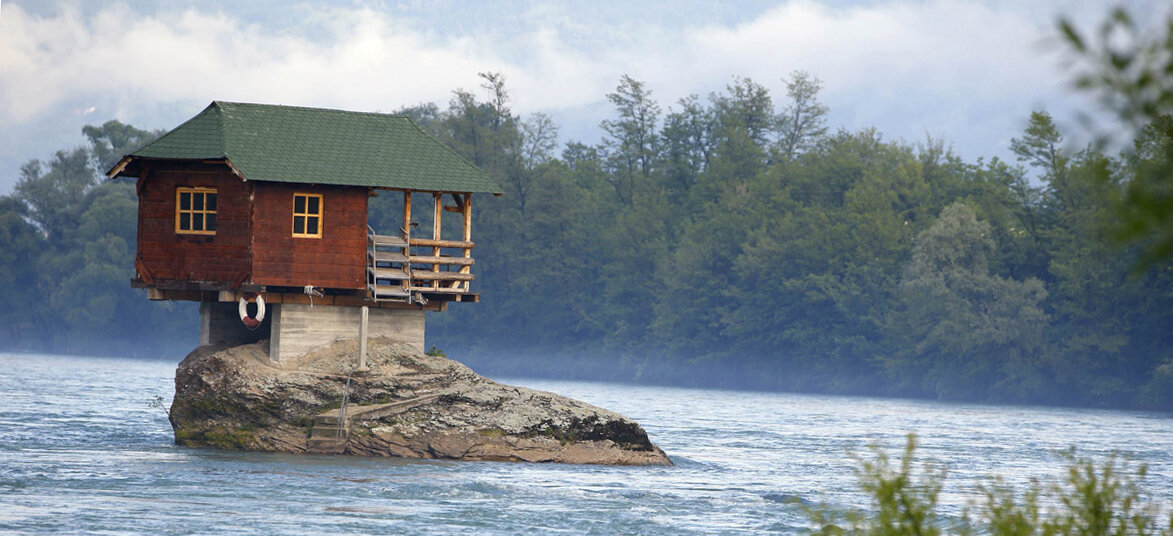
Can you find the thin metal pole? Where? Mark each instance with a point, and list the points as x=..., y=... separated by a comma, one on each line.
x=362, y=340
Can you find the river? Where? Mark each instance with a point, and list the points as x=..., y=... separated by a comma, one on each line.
x=81, y=451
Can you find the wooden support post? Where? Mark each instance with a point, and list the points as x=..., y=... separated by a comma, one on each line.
x=439, y=200
x=362, y=340
x=407, y=234
x=467, y=206
x=407, y=215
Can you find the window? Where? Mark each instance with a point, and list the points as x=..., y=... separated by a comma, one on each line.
x=307, y=215
x=195, y=211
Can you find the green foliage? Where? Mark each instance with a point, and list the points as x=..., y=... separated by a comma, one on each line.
x=113, y=140
x=804, y=121
x=1093, y=499
x=1041, y=146
x=732, y=240
x=710, y=245
x=903, y=498
x=906, y=500
x=969, y=333
x=630, y=143
x=67, y=246
x=1130, y=70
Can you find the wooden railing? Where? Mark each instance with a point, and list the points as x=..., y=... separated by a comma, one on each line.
x=438, y=279
x=416, y=266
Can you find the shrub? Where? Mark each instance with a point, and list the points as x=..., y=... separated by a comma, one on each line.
x=1092, y=499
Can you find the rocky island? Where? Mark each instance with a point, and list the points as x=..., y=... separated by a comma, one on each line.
x=404, y=404
x=288, y=271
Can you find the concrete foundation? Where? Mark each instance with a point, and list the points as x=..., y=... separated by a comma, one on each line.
x=297, y=329
x=220, y=326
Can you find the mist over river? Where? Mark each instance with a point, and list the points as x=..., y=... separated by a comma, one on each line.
x=81, y=452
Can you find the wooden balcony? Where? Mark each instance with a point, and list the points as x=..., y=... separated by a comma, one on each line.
x=402, y=267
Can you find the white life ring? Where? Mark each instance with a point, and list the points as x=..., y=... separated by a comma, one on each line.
x=251, y=322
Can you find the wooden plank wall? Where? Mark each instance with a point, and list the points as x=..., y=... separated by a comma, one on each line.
x=168, y=255
x=336, y=260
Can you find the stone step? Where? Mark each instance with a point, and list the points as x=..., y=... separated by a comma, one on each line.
x=316, y=445
x=326, y=432
x=326, y=419
x=357, y=412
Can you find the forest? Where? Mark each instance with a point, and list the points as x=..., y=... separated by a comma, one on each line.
x=730, y=240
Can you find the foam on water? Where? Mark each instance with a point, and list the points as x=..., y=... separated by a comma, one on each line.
x=81, y=452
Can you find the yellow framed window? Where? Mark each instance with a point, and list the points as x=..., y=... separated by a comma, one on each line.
x=307, y=215
x=195, y=211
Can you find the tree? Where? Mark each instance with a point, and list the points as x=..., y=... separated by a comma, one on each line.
x=52, y=191
x=21, y=244
x=805, y=118
x=494, y=84
x=973, y=335
x=712, y=250
x=532, y=150
x=466, y=128
x=630, y=142
x=742, y=117
x=689, y=136
x=745, y=106
x=1042, y=148
x=425, y=114
x=113, y=140
x=69, y=239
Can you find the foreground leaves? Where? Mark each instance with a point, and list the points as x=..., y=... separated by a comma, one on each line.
x=1092, y=498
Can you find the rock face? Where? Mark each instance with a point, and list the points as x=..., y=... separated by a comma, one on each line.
x=405, y=405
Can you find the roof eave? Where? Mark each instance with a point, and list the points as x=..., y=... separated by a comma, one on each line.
x=118, y=168
x=234, y=169
x=400, y=189
x=124, y=167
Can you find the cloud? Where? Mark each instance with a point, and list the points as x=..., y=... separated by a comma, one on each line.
x=901, y=66
x=366, y=60
x=191, y=55
x=965, y=70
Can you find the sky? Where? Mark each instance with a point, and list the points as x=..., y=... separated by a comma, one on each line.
x=968, y=72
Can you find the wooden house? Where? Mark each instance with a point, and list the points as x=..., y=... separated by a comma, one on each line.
x=248, y=206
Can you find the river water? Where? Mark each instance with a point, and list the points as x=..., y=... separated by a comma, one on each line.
x=82, y=452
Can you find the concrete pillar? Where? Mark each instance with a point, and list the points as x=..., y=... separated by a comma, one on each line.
x=274, y=331
x=205, y=323
x=297, y=329
x=362, y=339
x=220, y=325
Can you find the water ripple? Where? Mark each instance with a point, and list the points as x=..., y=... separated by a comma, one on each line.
x=80, y=452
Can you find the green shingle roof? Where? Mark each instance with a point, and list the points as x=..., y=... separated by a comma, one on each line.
x=319, y=146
